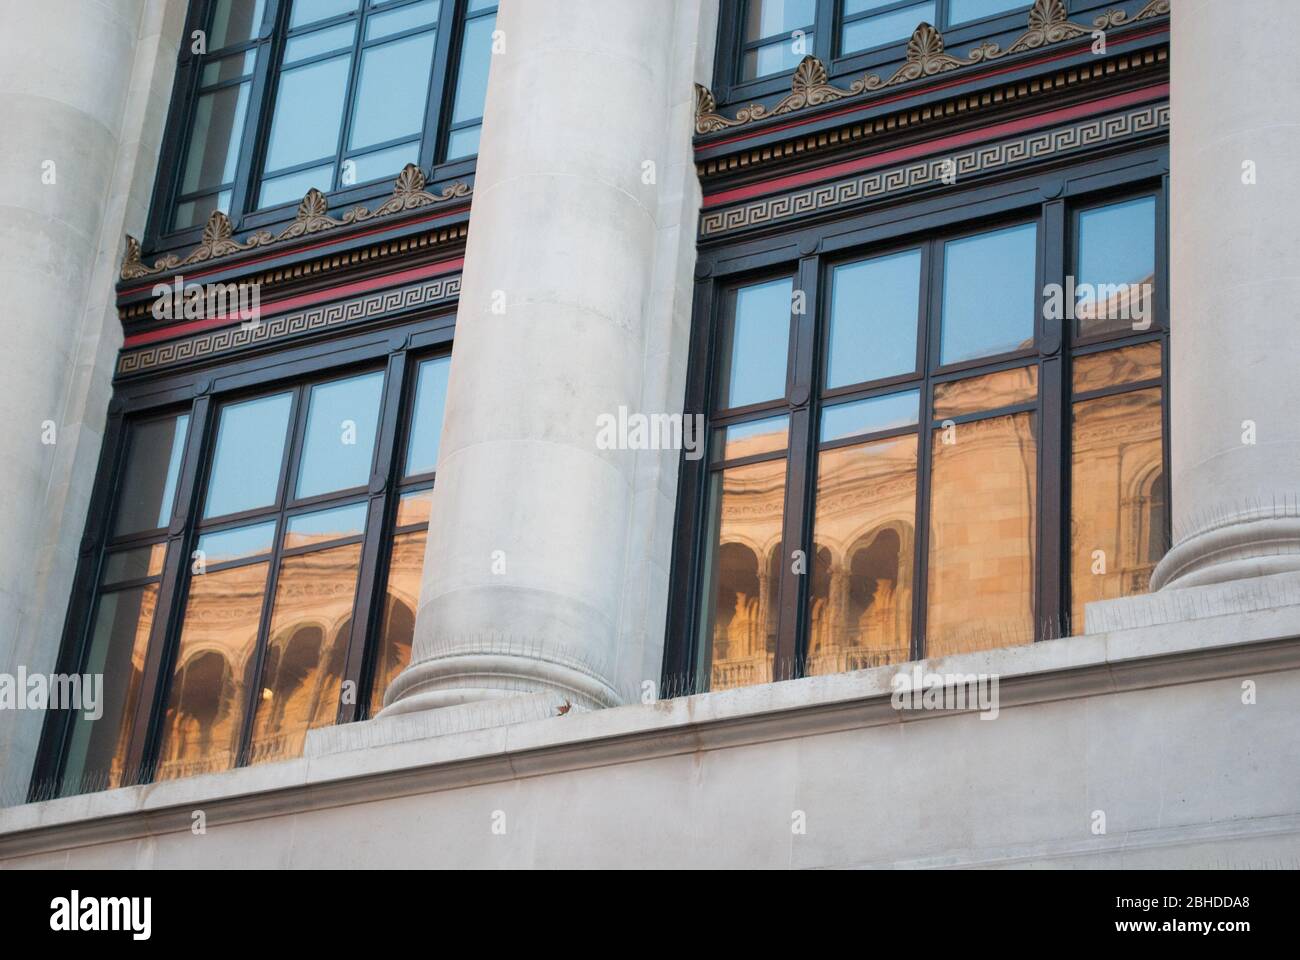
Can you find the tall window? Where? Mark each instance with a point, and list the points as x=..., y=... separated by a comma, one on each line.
x=952, y=469
x=298, y=528
x=777, y=34
x=288, y=95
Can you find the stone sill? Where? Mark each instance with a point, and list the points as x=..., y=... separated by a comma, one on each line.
x=1237, y=635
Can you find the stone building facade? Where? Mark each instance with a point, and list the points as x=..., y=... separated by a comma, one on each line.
x=361, y=584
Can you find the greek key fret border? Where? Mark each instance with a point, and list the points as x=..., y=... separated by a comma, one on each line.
x=982, y=159
x=311, y=320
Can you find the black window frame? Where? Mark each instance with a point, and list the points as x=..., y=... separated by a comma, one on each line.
x=245, y=215
x=808, y=255
x=398, y=351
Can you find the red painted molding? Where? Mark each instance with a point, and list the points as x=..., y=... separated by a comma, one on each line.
x=994, y=132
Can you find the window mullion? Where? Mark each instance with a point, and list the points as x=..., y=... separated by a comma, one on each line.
x=825, y=28
x=931, y=298
x=164, y=634
x=180, y=116
x=684, y=589
x=369, y=602
x=261, y=109
x=1054, y=449
x=288, y=480
x=793, y=589
x=1053, y=503
x=349, y=100
x=439, y=85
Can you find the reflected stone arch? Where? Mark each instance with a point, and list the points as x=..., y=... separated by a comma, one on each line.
x=880, y=580
x=304, y=664
x=1148, y=521
x=394, y=650
x=861, y=600
x=736, y=615
x=205, y=689
x=290, y=662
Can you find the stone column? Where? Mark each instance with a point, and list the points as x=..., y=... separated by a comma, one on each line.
x=574, y=303
x=1235, y=292
x=84, y=89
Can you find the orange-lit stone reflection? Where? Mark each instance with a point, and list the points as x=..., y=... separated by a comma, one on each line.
x=311, y=622
x=400, y=603
x=984, y=485
x=862, y=572
x=748, y=509
x=214, y=665
x=97, y=752
x=1117, y=516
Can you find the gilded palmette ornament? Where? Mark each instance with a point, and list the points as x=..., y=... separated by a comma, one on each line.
x=926, y=56
x=312, y=216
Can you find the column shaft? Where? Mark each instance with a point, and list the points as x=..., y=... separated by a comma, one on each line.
x=532, y=543
x=1235, y=284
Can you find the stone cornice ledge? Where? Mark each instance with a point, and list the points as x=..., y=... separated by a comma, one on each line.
x=397, y=760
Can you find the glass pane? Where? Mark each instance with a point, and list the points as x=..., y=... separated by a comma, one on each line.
x=424, y=13
x=862, y=577
x=415, y=507
x=1117, y=511
x=292, y=187
x=325, y=526
x=134, y=564
x=308, y=644
x=309, y=11
x=401, y=601
x=250, y=452
x=426, y=421
x=308, y=113
x=875, y=415
x=742, y=575
x=988, y=293
x=862, y=6
x=1010, y=388
x=317, y=42
x=892, y=27
x=153, y=466
x=1117, y=268
x=215, y=660
x=477, y=5
x=228, y=68
x=1114, y=368
x=780, y=56
x=119, y=640
x=875, y=310
x=464, y=142
x=215, y=138
x=961, y=11
x=238, y=544
x=756, y=344
x=392, y=91
x=767, y=18
x=380, y=165
x=235, y=21
x=753, y=439
x=472, y=75
x=191, y=213
x=983, y=525
x=342, y=421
